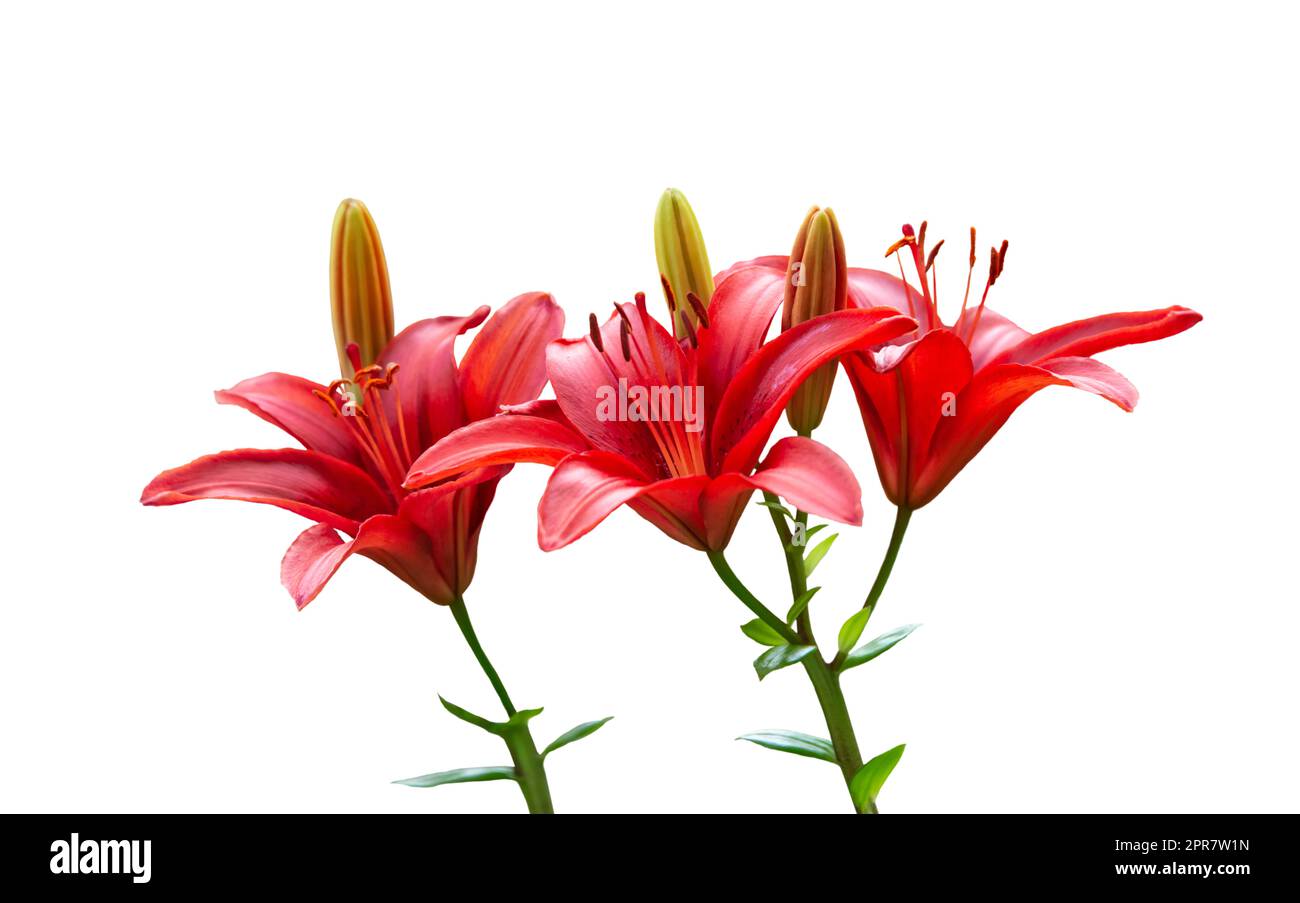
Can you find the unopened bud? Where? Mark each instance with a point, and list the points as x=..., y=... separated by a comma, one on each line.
x=816, y=283
x=361, y=301
x=683, y=259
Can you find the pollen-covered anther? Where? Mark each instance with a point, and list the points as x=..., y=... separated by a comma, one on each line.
x=905, y=240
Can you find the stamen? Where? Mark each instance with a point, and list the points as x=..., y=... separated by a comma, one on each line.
x=328, y=398
x=595, y=333
x=639, y=298
x=624, y=338
x=690, y=330
x=966, y=297
x=698, y=306
x=934, y=252
x=905, y=240
x=668, y=293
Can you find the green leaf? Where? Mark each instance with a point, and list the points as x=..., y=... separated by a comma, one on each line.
x=812, y=531
x=760, y=632
x=779, y=657
x=816, y=555
x=466, y=715
x=575, y=733
x=777, y=506
x=871, y=777
x=851, y=630
x=800, y=604
x=462, y=776
x=867, y=651
x=793, y=742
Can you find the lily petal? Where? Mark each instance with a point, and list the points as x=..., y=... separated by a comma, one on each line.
x=995, y=335
x=504, y=439
x=902, y=405
x=309, y=483
x=778, y=262
x=982, y=408
x=287, y=401
x=800, y=470
x=318, y=552
x=757, y=395
x=740, y=315
x=1084, y=338
x=427, y=381
x=1094, y=376
x=506, y=361
x=876, y=288
x=587, y=488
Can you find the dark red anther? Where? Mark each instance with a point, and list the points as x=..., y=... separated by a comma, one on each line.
x=625, y=338
x=690, y=331
x=993, y=265
x=595, y=333
x=668, y=293
x=920, y=236
x=934, y=252
x=972, y=246
x=1002, y=256
x=698, y=306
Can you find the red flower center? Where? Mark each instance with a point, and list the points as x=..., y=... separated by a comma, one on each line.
x=359, y=403
x=682, y=450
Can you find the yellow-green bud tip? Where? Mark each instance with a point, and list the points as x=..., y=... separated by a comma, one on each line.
x=683, y=259
x=361, y=301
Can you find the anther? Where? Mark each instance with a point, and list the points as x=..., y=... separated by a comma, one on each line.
x=905, y=240
x=639, y=297
x=934, y=252
x=972, y=246
x=625, y=338
x=668, y=293
x=595, y=333
x=690, y=330
x=698, y=306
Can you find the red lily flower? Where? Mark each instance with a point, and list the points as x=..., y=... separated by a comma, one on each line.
x=361, y=435
x=933, y=398
x=690, y=479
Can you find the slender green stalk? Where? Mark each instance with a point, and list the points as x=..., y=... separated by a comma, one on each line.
x=901, y=520
x=741, y=592
x=825, y=677
x=461, y=614
x=529, y=769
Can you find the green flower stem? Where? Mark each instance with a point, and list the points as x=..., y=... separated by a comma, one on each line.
x=825, y=682
x=901, y=520
x=741, y=592
x=531, y=774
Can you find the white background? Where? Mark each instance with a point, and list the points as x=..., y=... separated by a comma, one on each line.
x=1108, y=600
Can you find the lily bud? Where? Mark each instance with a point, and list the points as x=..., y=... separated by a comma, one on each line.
x=361, y=301
x=683, y=260
x=816, y=283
